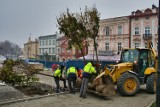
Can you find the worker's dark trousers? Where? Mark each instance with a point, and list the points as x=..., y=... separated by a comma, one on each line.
x=72, y=84
x=84, y=87
x=57, y=84
x=64, y=82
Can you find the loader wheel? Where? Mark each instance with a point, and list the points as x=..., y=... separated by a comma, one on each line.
x=128, y=84
x=151, y=83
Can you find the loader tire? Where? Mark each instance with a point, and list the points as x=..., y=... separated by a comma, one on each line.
x=151, y=83
x=128, y=84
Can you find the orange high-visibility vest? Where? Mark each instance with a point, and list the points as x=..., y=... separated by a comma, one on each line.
x=80, y=73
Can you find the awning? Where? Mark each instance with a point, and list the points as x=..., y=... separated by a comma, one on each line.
x=102, y=58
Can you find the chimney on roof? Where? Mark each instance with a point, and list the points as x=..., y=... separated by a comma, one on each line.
x=29, y=39
x=154, y=6
x=133, y=13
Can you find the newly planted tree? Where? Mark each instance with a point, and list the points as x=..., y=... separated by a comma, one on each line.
x=80, y=27
x=73, y=30
x=90, y=18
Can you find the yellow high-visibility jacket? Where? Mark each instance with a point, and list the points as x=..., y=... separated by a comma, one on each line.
x=57, y=73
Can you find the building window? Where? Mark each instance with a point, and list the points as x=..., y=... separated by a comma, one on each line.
x=119, y=46
x=107, y=46
x=46, y=50
x=119, y=30
x=136, y=30
x=146, y=45
x=58, y=43
x=136, y=19
x=136, y=45
x=49, y=42
x=68, y=51
x=43, y=43
x=147, y=18
x=46, y=42
x=58, y=51
x=107, y=31
x=53, y=50
x=40, y=50
x=49, y=50
x=53, y=42
x=63, y=50
x=147, y=30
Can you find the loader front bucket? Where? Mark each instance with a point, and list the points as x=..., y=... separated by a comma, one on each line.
x=103, y=85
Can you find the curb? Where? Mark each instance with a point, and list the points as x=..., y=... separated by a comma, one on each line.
x=150, y=104
x=31, y=98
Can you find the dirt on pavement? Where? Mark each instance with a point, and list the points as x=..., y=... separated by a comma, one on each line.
x=141, y=99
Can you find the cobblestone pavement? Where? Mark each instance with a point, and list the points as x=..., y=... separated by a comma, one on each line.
x=9, y=93
x=73, y=100
x=141, y=99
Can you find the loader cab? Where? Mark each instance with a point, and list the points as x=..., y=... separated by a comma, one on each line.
x=145, y=60
x=129, y=55
x=141, y=59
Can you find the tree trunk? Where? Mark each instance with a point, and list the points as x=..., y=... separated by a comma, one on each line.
x=97, y=62
x=82, y=54
x=95, y=48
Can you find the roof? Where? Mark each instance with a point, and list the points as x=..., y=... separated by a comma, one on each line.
x=61, y=38
x=47, y=36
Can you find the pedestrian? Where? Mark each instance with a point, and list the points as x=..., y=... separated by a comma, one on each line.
x=88, y=70
x=57, y=74
x=72, y=76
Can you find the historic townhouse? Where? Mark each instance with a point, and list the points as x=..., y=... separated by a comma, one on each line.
x=47, y=47
x=135, y=30
x=144, y=25
x=63, y=52
x=113, y=35
x=31, y=49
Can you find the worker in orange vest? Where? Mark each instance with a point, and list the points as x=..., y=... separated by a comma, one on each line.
x=80, y=71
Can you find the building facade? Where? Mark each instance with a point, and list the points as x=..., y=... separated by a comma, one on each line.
x=144, y=27
x=31, y=49
x=113, y=35
x=47, y=47
x=63, y=52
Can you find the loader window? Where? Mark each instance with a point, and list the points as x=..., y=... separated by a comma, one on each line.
x=143, y=62
x=129, y=56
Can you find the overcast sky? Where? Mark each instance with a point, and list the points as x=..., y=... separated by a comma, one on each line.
x=20, y=18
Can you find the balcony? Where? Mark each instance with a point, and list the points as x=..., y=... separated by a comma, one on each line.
x=147, y=36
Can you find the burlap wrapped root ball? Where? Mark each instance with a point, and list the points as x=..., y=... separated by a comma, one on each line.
x=94, y=84
x=78, y=82
x=100, y=88
x=108, y=90
x=91, y=86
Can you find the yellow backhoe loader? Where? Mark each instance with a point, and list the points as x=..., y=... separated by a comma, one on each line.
x=136, y=67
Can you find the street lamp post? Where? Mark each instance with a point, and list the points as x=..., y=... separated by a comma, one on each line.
x=158, y=72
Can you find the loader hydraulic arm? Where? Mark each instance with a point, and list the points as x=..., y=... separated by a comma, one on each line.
x=154, y=55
